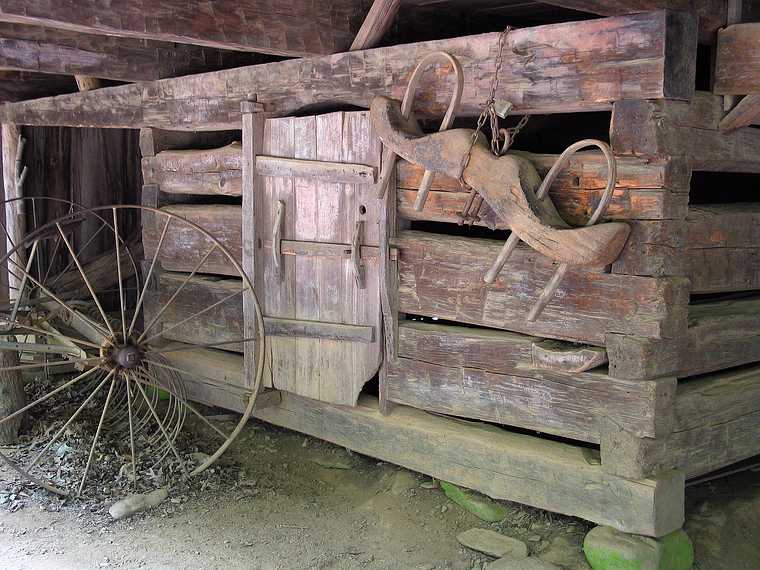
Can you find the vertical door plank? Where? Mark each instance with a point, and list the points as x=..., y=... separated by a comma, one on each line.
x=334, y=355
x=308, y=372
x=280, y=289
x=363, y=305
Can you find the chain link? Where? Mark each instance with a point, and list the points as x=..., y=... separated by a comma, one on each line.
x=501, y=138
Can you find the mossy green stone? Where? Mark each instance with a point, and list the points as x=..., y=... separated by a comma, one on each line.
x=480, y=506
x=609, y=549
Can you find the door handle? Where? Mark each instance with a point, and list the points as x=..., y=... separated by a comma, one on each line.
x=277, y=239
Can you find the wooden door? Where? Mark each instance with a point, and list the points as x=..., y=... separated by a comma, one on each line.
x=310, y=214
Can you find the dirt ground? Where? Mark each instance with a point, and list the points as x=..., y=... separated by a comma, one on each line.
x=291, y=502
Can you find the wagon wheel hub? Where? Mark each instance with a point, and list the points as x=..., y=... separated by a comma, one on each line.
x=126, y=356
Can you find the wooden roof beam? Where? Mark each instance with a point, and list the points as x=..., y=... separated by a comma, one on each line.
x=643, y=56
x=290, y=28
x=712, y=13
x=45, y=50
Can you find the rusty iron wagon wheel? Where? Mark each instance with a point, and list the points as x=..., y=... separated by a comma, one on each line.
x=98, y=371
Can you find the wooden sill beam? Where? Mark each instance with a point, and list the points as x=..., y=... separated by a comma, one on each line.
x=504, y=465
x=643, y=56
x=46, y=50
x=295, y=28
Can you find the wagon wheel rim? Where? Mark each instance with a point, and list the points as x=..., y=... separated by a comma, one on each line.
x=122, y=354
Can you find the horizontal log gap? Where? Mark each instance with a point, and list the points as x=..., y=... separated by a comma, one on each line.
x=639, y=56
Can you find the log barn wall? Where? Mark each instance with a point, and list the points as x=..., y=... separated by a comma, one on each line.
x=629, y=363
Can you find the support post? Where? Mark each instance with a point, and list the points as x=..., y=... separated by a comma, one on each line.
x=12, y=396
x=253, y=139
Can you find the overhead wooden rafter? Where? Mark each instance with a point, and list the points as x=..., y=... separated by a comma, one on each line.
x=737, y=72
x=290, y=28
x=643, y=56
x=379, y=19
x=45, y=50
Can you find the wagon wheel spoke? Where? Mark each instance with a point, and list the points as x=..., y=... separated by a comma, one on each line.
x=91, y=239
x=71, y=419
x=48, y=395
x=97, y=434
x=65, y=305
x=195, y=315
x=74, y=313
x=182, y=285
x=86, y=280
x=162, y=428
x=131, y=431
x=148, y=277
x=118, y=272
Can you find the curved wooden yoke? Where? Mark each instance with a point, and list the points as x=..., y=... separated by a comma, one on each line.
x=389, y=157
x=512, y=188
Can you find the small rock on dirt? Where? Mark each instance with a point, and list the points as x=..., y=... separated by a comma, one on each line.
x=521, y=564
x=403, y=482
x=607, y=549
x=492, y=543
x=137, y=503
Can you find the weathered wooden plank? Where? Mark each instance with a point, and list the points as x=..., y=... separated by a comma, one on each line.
x=439, y=276
x=645, y=190
x=721, y=334
x=504, y=465
x=327, y=170
x=46, y=50
x=254, y=25
x=592, y=63
x=712, y=13
x=737, y=60
x=689, y=130
x=558, y=404
x=716, y=424
x=723, y=247
x=184, y=246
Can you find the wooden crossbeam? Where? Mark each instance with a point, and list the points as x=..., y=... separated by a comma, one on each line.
x=46, y=50
x=644, y=56
x=291, y=28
